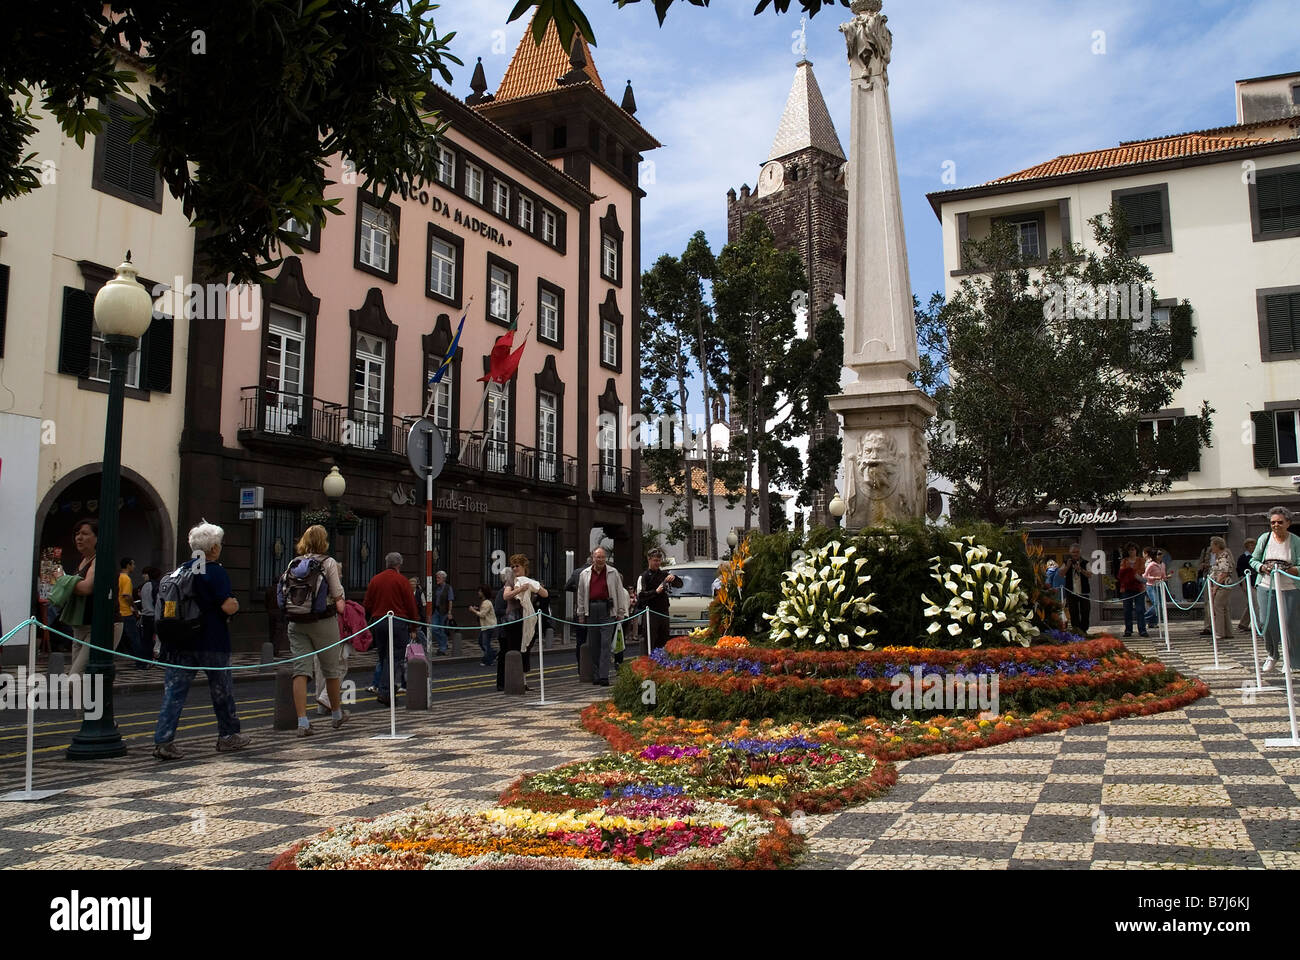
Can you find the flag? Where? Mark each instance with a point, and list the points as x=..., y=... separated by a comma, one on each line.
x=450, y=355
x=502, y=362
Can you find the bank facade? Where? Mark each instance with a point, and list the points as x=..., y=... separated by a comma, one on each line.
x=533, y=218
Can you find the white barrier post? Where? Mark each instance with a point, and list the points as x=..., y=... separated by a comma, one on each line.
x=392, y=687
x=1255, y=634
x=27, y=793
x=541, y=659
x=648, y=649
x=1294, y=739
x=1164, y=612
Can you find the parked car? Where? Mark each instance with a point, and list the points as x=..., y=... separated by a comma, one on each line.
x=691, y=597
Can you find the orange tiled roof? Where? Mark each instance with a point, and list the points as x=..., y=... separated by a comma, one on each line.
x=699, y=480
x=534, y=69
x=1142, y=151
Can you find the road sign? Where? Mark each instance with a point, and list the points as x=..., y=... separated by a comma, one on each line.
x=424, y=448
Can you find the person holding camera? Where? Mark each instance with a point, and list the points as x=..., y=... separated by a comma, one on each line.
x=1078, y=586
x=652, y=594
x=1279, y=550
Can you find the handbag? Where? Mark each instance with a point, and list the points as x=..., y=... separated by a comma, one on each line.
x=619, y=645
x=415, y=651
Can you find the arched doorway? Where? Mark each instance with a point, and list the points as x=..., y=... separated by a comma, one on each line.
x=145, y=532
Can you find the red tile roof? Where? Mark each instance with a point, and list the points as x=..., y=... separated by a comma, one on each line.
x=1142, y=151
x=534, y=68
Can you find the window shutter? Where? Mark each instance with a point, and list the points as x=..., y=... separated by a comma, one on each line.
x=1181, y=333
x=1279, y=202
x=78, y=327
x=156, y=357
x=1282, y=313
x=1265, y=440
x=128, y=165
x=4, y=303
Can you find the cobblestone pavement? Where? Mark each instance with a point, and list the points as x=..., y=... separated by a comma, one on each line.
x=1195, y=788
x=1192, y=789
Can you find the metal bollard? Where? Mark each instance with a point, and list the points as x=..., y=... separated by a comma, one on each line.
x=457, y=642
x=268, y=654
x=586, y=671
x=515, y=673
x=417, y=684
x=286, y=714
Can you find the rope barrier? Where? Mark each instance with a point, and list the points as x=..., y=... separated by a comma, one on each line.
x=452, y=626
x=180, y=666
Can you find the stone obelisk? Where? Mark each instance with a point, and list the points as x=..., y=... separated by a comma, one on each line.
x=884, y=415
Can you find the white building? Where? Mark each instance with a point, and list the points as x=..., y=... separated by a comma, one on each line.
x=58, y=245
x=1216, y=216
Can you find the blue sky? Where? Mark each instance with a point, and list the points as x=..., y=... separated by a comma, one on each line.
x=992, y=86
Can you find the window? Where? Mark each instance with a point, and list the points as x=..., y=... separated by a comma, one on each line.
x=285, y=347
x=447, y=166
x=550, y=570
x=442, y=268
x=365, y=551
x=474, y=182
x=376, y=238
x=500, y=198
x=497, y=440
x=443, y=394
x=1275, y=204
x=1287, y=426
x=502, y=275
x=121, y=168
x=1160, y=440
x=548, y=315
x=495, y=553
x=368, y=391
x=547, y=409
x=277, y=533
x=299, y=229
x=550, y=227
x=526, y=214
x=1027, y=239
x=441, y=545
x=608, y=343
x=1279, y=323
x=1146, y=211
x=609, y=258
x=607, y=444
x=1295, y=95
x=700, y=543
x=100, y=360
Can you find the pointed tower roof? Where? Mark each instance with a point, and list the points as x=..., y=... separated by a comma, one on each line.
x=806, y=121
x=535, y=69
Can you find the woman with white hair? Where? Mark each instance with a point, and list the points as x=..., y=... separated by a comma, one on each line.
x=1278, y=550
x=217, y=604
x=1221, y=573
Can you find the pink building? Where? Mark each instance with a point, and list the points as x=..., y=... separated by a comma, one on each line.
x=535, y=213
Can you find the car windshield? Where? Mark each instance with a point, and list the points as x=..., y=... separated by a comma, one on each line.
x=694, y=583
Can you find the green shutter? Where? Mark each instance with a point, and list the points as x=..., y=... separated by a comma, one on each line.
x=1279, y=202
x=1282, y=315
x=78, y=328
x=1146, y=222
x=1265, y=440
x=1181, y=332
x=128, y=165
x=4, y=303
x=156, y=358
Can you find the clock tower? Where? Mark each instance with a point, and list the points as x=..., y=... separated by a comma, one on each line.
x=802, y=198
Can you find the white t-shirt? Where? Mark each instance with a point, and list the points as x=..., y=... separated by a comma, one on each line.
x=1282, y=553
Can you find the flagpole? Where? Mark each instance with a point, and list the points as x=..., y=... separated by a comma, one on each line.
x=451, y=353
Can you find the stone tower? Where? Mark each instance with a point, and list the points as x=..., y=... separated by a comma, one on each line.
x=802, y=198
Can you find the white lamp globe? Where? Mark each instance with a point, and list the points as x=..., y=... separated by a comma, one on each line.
x=122, y=306
x=334, y=485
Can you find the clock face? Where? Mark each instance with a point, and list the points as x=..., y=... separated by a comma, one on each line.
x=771, y=178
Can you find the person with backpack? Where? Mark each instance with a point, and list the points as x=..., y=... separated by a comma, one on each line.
x=389, y=590
x=193, y=606
x=311, y=595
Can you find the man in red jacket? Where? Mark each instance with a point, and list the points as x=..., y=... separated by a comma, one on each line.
x=389, y=590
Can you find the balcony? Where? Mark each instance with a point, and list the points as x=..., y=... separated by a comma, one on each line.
x=278, y=422
x=609, y=481
x=275, y=420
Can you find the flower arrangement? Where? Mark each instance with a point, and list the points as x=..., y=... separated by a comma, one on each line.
x=825, y=602
x=981, y=600
x=732, y=643
x=726, y=606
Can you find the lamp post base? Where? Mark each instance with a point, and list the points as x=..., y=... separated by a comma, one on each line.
x=96, y=746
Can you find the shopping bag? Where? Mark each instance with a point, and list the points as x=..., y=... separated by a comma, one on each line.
x=619, y=644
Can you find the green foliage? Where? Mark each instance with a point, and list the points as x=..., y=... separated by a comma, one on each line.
x=1045, y=404
x=251, y=98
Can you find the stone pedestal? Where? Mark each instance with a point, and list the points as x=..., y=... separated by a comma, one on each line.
x=884, y=415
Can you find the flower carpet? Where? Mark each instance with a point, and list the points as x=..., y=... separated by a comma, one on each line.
x=713, y=791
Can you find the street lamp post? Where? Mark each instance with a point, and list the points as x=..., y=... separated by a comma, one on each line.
x=837, y=508
x=123, y=312
x=732, y=542
x=334, y=486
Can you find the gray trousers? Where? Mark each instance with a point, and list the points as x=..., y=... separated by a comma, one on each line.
x=600, y=633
